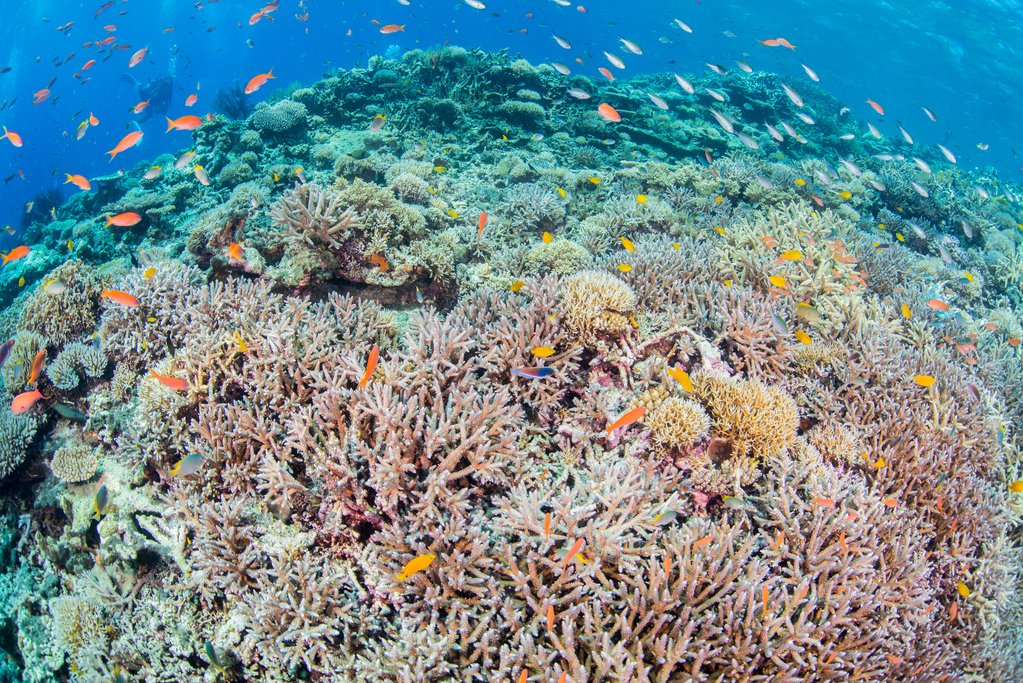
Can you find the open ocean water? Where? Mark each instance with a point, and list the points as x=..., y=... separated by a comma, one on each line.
x=480, y=340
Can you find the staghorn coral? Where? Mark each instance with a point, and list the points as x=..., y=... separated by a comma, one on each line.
x=78, y=629
x=86, y=357
x=74, y=463
x=314, y=216
x=16, y=433
x=837, y=442
x=676, y=423
x=754, y=418
x=16, y=369
x=594, y=302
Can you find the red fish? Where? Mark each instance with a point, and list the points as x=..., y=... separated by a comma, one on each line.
x=80, y=181
x=482, y=224
x=877, y=107
x=88, y=65
x=137, y=57
x=257, y=82
x=127, y=142
x=12, y=137
x=118, y=297
x=175, y=383
x=15, y=254
x=37, y=366
x=576, y=547
x=183, y=123
x=371, y=364
x=40, y=95
x=25, y=400
x=609, y=113
x=627, y=419
x=124, y=220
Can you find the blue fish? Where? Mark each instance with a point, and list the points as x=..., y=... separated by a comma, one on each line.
x=5, y=351
x=533, y=373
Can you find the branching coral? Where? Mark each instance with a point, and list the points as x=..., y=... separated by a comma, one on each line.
x=754, y=418
x=594, y=303
x=315, y=216
x=64, y=308
x=87, y=357
x=74, y=463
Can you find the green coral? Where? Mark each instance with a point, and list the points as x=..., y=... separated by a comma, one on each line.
x=78, y=356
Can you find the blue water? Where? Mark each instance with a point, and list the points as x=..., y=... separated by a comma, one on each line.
x=960, y=60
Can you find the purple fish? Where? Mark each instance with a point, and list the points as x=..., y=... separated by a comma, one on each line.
x=5, y=351
x=533, y=373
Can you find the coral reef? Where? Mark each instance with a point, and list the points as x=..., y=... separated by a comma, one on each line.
x=745, y=420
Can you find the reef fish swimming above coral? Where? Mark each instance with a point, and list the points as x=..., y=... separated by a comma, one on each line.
x=704, y=382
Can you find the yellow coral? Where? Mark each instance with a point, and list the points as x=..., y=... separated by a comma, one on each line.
x=675, y=422
x=594, y=302
x=756, y=419
x=837, y=442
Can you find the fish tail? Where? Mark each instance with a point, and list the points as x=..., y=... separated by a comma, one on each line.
x=170, y=124
x=270, y=74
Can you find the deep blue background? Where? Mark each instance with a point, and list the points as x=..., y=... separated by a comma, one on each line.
x=962, y=61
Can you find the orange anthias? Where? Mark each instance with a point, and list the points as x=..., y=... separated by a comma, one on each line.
x=127, y=142
x=189, y=122
x=371, y=365
x=25, y=400
x=124, y=220
x=119, y=297
x=257, y=82
x=175, y=383
x=15, y=254
x=627, y=419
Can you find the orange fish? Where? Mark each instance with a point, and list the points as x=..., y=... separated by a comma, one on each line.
x=12, y=137
x=257, y=82
x=137, y=57
x=550, y=617
x=127, y=142
x=380, y=262
x=25, y=400
x=778, y=42
x=576, y=547
x=88, y=65
x=824, y=502
x=877, y=107
x=79, y=181
x=189, y=122
x=547, y=525
x=937, y=304
x=137, y=109
x=371, y=364
x=40, y=95
x=606, y=74
x=1013, y=341
x=37, y=366
x=118, y=297
x=627, y=419
x=191, y=100
x=482, y=224
x=175, y=383
x=93, y=121
x=124, y=220
x=234, y=251
x=392, y=28
x=15, y=254
x=704, y=541
x=608, y=113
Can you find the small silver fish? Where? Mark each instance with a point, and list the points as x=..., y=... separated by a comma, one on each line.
x=658, y=101
x=793, y=95
x=631, y=46
x=615, y=60
x=812, y=74
x=562, y=42
x=684, y=84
